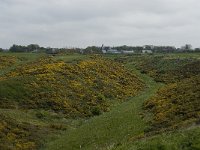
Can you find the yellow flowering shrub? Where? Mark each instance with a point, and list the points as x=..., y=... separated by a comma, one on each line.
x=175, y=105
x=7, y=61
x=77, y=90
x=17, y=136
x=163, y=68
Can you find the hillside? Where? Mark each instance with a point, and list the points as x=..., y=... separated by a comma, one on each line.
x=175, y=105
x=172, y=112
x=80, y=89
x=138, y=102
x=165, y=68
x=112, y=129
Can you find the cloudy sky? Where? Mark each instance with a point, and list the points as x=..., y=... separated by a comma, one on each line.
x=79, y=23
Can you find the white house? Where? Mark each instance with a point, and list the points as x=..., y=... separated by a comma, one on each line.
x=147, y=51
x=113, y=51
x=109, y=50
x=104, y=51
x=128, y=52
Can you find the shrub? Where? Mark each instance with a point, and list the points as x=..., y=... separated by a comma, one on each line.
x=77, y=90
x=7, y=61
x=175, y=105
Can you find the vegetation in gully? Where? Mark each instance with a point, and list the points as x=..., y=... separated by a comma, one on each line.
x=99, y=101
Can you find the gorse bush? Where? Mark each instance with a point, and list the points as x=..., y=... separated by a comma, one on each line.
x=77, y=90
x=17, y=136
x=70, y=90
x=7, y=61
x=186, y=71
x=20, y=135
x=175, y=105
x=164, y=68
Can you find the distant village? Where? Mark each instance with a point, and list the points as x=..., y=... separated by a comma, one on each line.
x=146, y=49
x=109, y=50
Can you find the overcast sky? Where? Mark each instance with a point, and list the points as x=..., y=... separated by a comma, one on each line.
x=79, y=23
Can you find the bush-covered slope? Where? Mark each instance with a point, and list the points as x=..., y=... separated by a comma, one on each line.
x=175, y=105
x=69, y=90
x=77, y=90
x=53, y=93
x=165, y=68
x=7, y=61
x=17, y=136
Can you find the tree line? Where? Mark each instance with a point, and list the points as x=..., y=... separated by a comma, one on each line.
x=97, y=50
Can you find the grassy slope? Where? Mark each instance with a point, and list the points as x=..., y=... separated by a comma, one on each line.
x=187, y=139
x=71, y=57
x=110, y=129
x=22, y=59
x=28, y=57
x=79, y=90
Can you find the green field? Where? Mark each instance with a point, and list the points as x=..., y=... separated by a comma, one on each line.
x=142, y=115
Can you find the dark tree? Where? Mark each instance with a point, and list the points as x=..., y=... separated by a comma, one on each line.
x=18, y=48
x=92, y=50
x=33, y=47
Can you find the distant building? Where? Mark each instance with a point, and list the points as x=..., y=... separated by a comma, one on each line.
x=128, y=52
x=109, y=50
x=104, y=51
x=35, y=51
x=113, y=51
x=148, y=47
x=147, y=51
x=187, y=47
x=81, y=51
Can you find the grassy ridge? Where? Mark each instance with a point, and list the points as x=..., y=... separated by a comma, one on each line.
x=77, y=90
x=9, y=61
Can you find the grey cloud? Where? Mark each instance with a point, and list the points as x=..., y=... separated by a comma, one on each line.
x=93, y=22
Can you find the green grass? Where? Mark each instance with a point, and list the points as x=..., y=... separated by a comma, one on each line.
x=179, y=140
x=110, y=129
x=22, y=59
x=71, y=57
x=28, y=56
x=22, y=116
x=184, y=55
